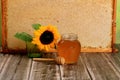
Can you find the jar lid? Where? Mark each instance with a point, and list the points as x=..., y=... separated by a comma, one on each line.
x=69, y=36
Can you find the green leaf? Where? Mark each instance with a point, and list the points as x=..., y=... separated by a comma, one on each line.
x=24, y=36
x=36, y=26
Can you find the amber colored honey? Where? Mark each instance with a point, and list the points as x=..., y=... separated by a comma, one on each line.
x=70, y=50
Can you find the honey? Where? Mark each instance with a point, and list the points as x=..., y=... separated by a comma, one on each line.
x=69, y=48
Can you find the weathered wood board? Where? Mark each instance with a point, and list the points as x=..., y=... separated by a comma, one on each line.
x=16, y=68
x=75, y=71
x=100, y=67
x=89, y=67
x=92, y=20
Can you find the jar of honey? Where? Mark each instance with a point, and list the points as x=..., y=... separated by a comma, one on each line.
x=69, y=48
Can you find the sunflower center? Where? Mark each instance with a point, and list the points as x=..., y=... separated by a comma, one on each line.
x=46, y=37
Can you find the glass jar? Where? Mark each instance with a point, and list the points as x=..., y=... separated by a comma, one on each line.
x=33, y=51
x=69, y=47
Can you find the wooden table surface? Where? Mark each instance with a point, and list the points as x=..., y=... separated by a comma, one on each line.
x=91, y=66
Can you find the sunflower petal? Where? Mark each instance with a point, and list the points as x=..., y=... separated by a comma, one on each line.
x=46, y=48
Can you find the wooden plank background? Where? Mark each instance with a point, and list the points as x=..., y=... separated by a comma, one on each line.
x=95, y=66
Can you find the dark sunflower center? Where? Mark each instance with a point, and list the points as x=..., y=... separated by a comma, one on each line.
x=46, y=37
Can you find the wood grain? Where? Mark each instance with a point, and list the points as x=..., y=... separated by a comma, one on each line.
x=95, y=66
x=3, y=59
x=99, y=68
x=115, y=59
x=75, y=71
x=23, y=69
x=44, y=71
x=16, y=68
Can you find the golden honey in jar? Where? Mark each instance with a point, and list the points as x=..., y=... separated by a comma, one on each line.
x=69, y=48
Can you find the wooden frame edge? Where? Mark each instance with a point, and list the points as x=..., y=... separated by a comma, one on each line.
x=90, y=50
x=11, y=51
x=96, y=50
x=4, y=31
x=4, y=26
x=114, y=26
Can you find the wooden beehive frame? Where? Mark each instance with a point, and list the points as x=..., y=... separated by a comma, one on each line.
x=4, y=31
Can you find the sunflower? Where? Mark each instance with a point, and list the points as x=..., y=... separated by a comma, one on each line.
x=46, y=37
